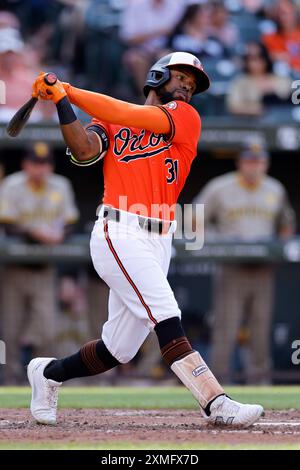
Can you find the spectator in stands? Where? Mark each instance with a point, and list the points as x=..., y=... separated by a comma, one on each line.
x=258, y=85
x=250, y=6
x=9, y=20
x=192, y=34
x=36, y=207
x=221, y=27
x=284, y=44
x=14, y=73
x=246, y=205
x=145, y=25
x=102, y=46
x=17, y=71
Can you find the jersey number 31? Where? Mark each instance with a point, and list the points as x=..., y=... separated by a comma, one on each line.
x=172, y=167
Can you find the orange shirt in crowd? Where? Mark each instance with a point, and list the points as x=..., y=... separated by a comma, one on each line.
x=284, y=47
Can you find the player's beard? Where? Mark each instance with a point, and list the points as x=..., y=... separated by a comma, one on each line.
x=167, y=96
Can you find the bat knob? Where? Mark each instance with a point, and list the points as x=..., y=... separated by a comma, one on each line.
x=50, y=78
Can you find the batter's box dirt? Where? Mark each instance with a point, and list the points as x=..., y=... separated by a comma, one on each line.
x=98, y=425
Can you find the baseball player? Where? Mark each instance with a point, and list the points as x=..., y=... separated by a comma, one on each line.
x=245, y=205
x=36, y=206
x=147, y=150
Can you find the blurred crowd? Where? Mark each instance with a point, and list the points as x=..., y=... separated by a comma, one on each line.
x=251, y=51
x=109, y=45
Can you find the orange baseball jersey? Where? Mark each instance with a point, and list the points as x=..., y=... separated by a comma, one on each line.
x=145, y=172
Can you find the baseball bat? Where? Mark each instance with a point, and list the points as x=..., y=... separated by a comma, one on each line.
x=19, y=119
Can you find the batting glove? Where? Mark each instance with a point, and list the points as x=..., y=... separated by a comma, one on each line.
x=42, y=91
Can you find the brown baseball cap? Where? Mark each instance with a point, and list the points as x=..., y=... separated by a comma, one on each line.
x=253, y=151
x=40, y=152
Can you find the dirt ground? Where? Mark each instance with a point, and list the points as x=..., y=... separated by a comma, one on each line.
x=145, y=426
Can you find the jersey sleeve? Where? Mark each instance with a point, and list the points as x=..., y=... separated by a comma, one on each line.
x=185, y=123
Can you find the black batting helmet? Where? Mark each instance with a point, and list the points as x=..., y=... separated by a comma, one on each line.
x=160, y=73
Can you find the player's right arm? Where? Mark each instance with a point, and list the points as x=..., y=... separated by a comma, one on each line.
x=286, y=218
x=86, y=145
x=208, y=197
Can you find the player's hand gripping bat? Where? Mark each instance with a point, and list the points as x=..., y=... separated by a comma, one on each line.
x=19, y=120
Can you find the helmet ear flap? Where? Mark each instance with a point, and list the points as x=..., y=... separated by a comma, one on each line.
x=156, y=78
x=157, y=75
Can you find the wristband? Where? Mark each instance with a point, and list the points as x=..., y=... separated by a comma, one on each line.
x=65, y=111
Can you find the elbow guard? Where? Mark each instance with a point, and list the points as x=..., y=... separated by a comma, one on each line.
x=103, y=147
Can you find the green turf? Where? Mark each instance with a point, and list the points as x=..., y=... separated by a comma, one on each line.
x=280, y=397
x=119, y=445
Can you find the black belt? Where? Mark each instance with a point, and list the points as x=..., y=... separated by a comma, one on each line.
x=151, y=225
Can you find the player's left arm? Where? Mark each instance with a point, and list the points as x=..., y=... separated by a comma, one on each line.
x=101, y=107
x=69, y=208
x=114, y=111
x=286, y=220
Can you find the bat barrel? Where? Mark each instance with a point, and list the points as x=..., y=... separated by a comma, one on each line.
x=19, y=120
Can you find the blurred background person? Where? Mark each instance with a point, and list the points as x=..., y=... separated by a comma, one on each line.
x=18, y=67
x=145, y=25
x=72, y=321
x=284, y=44
x=222, y=27
x=102, y=47
x=245, y=205
x=257, y=87
x=36, y=207
x=97, y=298
x=194, y=33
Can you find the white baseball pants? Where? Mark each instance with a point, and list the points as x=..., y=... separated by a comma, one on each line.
x=134, y=264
